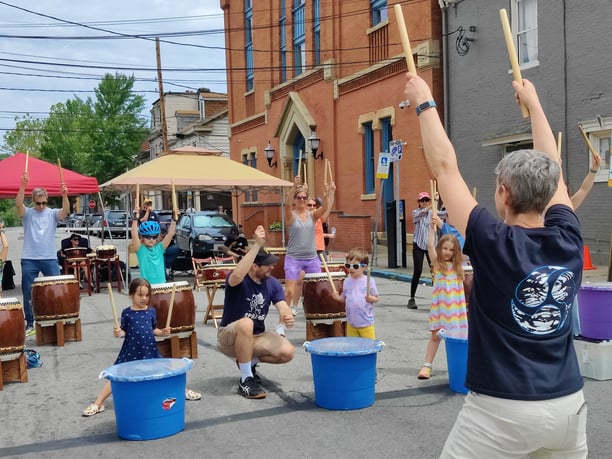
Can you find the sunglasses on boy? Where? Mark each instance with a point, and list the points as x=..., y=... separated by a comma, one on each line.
x=150, y=236
x=354, y=265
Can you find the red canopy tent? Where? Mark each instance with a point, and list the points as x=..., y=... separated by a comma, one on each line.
x=41, y=174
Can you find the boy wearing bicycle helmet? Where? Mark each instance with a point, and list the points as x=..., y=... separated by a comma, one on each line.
x=149, y=248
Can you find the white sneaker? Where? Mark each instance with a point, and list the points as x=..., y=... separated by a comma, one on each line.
x=294, y=310
x=280, y=329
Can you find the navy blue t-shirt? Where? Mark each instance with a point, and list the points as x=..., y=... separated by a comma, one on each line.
x=250, y=299
x=525, y=279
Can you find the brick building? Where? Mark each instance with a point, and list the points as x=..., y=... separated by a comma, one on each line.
x=334, y=70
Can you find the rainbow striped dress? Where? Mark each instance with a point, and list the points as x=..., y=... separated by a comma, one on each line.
x=448, y=309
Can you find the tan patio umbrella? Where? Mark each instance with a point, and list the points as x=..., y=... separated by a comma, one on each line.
x=193, y=168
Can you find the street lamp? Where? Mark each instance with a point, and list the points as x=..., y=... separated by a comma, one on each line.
x=314, y=143
x=269, y=152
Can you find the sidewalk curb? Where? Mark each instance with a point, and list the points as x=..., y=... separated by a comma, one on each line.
x=393, y=275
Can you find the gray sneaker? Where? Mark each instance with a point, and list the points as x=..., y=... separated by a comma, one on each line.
x=411, y=304
x=249, y=388
x=29, y=331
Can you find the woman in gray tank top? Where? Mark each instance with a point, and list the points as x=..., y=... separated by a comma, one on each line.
x=301, y=250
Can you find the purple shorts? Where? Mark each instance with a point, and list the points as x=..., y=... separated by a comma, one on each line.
x=293, y=266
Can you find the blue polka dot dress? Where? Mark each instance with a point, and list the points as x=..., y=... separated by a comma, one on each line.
x=139, y=342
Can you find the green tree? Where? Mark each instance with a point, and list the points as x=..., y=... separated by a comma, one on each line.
x=116, y=130
x=28, y=135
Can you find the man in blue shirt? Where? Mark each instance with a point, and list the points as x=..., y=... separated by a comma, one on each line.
x=249, y=291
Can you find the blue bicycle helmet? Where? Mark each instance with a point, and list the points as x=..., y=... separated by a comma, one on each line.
x=149, y=228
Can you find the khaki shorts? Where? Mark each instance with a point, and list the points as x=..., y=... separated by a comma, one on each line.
x=266, y=343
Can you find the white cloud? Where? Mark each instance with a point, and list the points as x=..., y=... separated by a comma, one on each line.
x=130, y=17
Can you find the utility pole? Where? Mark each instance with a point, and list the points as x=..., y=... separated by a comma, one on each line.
x=162, y=105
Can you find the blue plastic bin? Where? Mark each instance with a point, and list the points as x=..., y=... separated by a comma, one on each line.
x=149, y=397
x=456, y=358
x=344, y=371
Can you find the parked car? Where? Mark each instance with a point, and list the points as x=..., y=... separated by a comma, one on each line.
x=202, y=234
x=165, y=218
x=75, y=220
x=113, y=222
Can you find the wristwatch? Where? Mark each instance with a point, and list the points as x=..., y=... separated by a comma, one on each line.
x=424, y=106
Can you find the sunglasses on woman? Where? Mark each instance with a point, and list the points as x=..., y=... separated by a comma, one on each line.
x=301, y=198
x=354, y=265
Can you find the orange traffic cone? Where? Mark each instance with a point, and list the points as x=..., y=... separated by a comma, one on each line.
x=587, y=263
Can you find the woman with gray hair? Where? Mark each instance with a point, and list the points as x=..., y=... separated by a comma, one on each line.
x=39, y=253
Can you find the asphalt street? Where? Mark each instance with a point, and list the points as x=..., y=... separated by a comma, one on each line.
x=409, y=418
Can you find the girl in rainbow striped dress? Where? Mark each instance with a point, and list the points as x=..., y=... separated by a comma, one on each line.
x=448, y=309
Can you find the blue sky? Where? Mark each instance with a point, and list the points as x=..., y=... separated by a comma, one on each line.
x=28, y=85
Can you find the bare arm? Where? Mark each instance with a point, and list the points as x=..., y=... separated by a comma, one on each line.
x=431, y=241
x=65, y=210
x=290, y=199
x=543, y=137
x=19, y=205
x=171, y=232
x=328, y=203
x=5, y=244
x=244, y=266
x=440, y=156
x=135, y=242
x=587, y=184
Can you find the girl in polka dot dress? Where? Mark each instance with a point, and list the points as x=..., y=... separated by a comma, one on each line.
x=139, y=328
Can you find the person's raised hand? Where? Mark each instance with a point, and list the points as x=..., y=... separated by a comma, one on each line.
x=526, y=94
x=24, y=178
x=260, y=235
x=416, y=89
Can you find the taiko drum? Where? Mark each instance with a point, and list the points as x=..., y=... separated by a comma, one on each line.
x=183, y=311
x=318, y=301
x=12, y=332
x=55, y=297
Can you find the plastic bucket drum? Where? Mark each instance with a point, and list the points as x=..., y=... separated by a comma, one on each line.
x=595, y=310
x=344, y=371
x=456, y=358
x=149, y=397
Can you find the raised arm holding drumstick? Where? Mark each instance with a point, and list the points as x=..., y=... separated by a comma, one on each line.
x=533, y=245
x=301, y=247
x=39, y=252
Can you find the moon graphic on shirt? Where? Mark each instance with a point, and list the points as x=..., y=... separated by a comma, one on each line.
x=543, y=300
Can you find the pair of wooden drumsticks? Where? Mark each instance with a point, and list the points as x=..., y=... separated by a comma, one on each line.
x=59, y=166
x=112, y=302
x=174, y=200
x=328, y=169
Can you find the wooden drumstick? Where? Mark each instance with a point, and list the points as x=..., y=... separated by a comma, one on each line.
x=325, y=167
x=331, y=176
x=434, y=200
x=299, y=171
x=368, y=281
x=305, y=172
x=516, y=69
x=329, y=277
x=174, y=202
x=171, y=306
x=588, y=142
x=474, y=192
x=399, y=16
x=27, y=161
x=61, y=174
x=559, y=137
x=112, y=302
x=137, y=200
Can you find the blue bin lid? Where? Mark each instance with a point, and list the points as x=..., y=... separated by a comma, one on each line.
x=454, y=334
x=596, y=286
x=146, y=370
x=343, y=346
